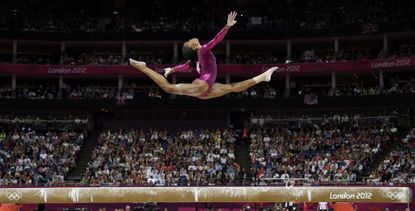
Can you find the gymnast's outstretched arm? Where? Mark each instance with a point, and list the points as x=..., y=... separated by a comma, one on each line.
x=178, y=68
x=219, y=37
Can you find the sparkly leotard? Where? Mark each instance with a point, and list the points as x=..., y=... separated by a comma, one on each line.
x=206, y=61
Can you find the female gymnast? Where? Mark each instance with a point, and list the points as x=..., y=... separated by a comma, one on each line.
x=203, y=87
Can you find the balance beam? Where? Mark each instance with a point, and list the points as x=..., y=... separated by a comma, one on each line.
x=204, y=194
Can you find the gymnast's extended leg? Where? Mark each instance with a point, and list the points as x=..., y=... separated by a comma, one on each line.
x=194, y=89
x=219, y=89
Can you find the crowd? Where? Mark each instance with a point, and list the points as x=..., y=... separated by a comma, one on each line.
x=90, y=92
x=399, y=85
x=110, y=58
x=299, y=88
x=265, y=91
x=37, y=59
x=325, y=56
x=142, y=90
x=328, y=119
x=127, y=16
x=130, y=90
x=33, y=91
x=323, y=152
x=399, y=51
x=355, y=91
x=251, y=57
x=32, y=157
x=93, y=58
x=393, y=85
x=43, y=122
x=399, y=166
x=238, y=57
x=83, y=91
x=338, y=149
x=158, y=158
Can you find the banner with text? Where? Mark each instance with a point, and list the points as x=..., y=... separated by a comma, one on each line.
x=401, y=63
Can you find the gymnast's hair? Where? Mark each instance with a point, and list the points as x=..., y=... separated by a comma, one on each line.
x=190, y=54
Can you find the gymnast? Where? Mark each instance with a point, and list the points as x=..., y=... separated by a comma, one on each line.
x=203, y=87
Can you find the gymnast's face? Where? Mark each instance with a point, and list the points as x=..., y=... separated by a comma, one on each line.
x=193, y=44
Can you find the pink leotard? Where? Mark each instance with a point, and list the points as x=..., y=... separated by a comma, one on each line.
x=207, y=61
